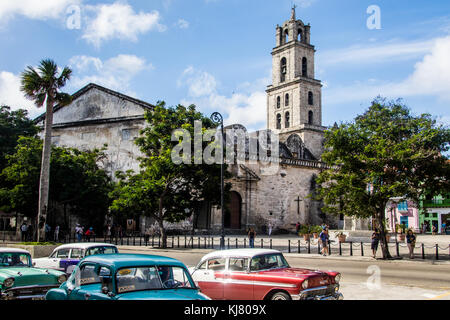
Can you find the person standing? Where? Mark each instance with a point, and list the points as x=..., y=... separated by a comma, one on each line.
x=375, y=242
x=30, y=232
x=434, y=229
x=56, y=234
x=24, y=229
x=411, y=241
x=48, y=229
x=251, y=237
x=324, y=238
x=270, y=229
x=79, y=232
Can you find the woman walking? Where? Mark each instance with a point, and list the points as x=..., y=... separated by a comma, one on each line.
x=411, y=241
x=375, y=242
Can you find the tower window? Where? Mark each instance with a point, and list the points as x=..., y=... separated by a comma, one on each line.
x=304, y=67
x=286, y=100
x=300, y=35
x=278, y=121
x=283, y=70
x=287, y=120
x=286, y=36
x=310, y=98
x=311, y=117
x=278, y=102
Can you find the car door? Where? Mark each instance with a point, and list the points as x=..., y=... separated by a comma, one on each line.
x=61, y=259
x=86, y=282
x=209, y=277
x=75, y=256
x=238, y=281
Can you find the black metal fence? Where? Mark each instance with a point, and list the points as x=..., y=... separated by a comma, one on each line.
x=397, y=249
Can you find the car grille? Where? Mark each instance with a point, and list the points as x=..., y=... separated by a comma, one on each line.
x=320, y=291
x=32, y=292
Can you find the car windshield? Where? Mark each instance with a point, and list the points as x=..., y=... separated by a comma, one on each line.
x=152, y=278
x=268, y=261
x=14, y=259
x=101, y=250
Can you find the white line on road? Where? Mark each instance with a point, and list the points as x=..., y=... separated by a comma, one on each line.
x=428, y=295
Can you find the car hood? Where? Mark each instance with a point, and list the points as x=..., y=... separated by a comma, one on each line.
x=25, y=276
x=315, y=277
x=180, y=294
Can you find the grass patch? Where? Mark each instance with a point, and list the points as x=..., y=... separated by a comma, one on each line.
x=39, y=243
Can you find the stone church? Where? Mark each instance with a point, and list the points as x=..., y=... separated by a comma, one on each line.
x=99, y=116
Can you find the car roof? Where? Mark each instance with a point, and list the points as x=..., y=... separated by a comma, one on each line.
x=84, y=245
x=124, y=260
x=247, y=253
x=13, y=250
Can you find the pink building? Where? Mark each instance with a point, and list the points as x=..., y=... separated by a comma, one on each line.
x=399, y=211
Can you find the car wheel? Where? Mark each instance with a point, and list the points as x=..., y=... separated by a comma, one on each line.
x=280, y=296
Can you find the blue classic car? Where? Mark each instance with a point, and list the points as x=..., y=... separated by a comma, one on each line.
x=128, y=277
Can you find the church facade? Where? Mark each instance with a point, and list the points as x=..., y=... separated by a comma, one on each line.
x=281, y=198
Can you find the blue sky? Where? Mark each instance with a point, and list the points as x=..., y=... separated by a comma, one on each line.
x=216, y=53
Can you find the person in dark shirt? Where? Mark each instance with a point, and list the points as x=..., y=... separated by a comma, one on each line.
x=375, y=242
x=324, y=239
x=251, y=237
x=411, y=241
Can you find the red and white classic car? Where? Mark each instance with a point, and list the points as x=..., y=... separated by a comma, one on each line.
x=259, y=274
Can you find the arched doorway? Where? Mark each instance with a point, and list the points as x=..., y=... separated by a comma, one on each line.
x=234, y=212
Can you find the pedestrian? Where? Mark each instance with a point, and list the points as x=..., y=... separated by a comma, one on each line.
x=270, y=229
x=324, y=237
x=251, y=237
x=79, y=232
x=411, y=241
x=48, y=229
x=375, y=242
x=89, y=233
x=24, y=230
x=56, y=234
x=444, y=226
x=434, y=230
x=30, y=232
x=297, y=227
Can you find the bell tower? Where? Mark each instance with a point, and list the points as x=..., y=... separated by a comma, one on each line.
x=294, y=100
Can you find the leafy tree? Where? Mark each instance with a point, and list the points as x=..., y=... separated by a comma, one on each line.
x=12, y=125
x=78, y=183
x=42, y=86
x=164, y=190
x=384, y=153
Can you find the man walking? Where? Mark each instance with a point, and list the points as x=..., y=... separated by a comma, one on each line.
x=24, y=229
x=56, y=235
x=251, y=237
x=324, y=239
x=411, y=241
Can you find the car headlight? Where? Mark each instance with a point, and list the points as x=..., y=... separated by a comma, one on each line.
x=305, y=284
x=8, y=283
x=62, y=278
x=337, y=278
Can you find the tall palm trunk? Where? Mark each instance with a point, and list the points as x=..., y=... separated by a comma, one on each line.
x=45, y=171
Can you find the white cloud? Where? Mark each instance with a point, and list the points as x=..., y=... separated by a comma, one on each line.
x=115, y=73
x=10, y=94
x=40, y=10
x=304, y=3
x=376, y=53
x=183, y=24
x=248, y=109
x=431, y=77
x=119, y=21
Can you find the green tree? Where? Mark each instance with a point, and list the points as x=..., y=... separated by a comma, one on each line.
x=42, y=86
x=12, y=125
x=78, y=183
x=385, y=153
x=164, y=190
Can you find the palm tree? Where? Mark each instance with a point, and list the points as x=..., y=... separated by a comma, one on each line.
x=42, y=86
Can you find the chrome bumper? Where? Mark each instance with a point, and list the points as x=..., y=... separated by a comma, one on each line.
x=309, y=294
x=27, y=293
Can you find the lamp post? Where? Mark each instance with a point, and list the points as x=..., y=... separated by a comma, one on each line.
x=218, y=118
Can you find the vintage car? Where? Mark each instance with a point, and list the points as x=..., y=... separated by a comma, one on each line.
x=67, y=256
x=128, y=277
x=259, y=274
x=19, y=280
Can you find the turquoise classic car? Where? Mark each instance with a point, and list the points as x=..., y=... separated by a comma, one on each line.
x=128, y=277
x=20, y=281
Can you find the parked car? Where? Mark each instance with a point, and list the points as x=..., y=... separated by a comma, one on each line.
x=66, y=257
x=19, y=280
x=259, y=274
x=128, y=277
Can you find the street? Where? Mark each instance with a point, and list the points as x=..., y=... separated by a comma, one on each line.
x=361, y=280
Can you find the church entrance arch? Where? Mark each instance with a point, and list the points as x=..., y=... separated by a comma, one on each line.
x=234, y=212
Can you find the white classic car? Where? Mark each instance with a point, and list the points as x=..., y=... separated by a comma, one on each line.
x=66, y=257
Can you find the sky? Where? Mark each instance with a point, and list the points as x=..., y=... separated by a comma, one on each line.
x=217, y=53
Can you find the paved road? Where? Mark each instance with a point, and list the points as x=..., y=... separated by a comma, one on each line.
x=362, y=280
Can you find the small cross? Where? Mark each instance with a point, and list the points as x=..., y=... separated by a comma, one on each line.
x=298, y=205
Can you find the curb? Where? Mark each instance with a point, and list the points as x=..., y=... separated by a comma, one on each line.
x=293, y=255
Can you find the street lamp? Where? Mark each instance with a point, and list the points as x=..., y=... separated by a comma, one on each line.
x=217, y=118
